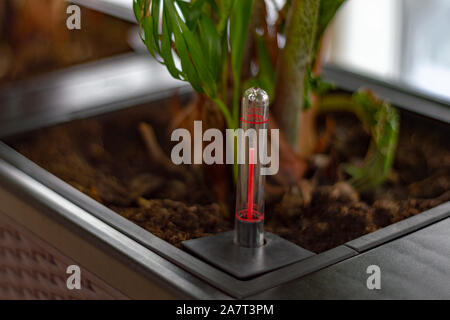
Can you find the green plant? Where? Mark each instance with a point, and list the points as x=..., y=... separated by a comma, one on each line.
x=382, y=120
x=212, y=44
x=197, y=33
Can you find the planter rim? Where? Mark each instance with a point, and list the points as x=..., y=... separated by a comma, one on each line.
x=402, y=96
x=219, y=279
x=54, y=98
x=86, y=225
x=117, y=8
x=83, y=91
x=27, y=173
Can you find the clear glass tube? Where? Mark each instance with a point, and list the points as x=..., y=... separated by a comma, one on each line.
x=252, y=143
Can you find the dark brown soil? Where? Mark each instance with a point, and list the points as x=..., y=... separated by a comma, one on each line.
x=106, y=159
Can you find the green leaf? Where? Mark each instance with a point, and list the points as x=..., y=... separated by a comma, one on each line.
x=382, y=121
x=137, y=9
x=239, y=22
x=189, y=72
x=213, y=5
x=156, y=18
x=240, y=19
x=148, y=35
x=146, y=6
x=265, y=79
x=191, y=11
x=166, y=47
x=225, y=11
x=208, y=81
x=327, y=11
x=316, y=85
x=211, y=44
x=186, y=29
x=195, y=52
x=266, y=69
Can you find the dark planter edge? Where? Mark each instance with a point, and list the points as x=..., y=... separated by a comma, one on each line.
x=221, y=280
x=403, y=97
x=30, y=92
x=401, y=228
x=85, y=225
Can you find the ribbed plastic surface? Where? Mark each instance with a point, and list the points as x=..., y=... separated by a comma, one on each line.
x=32, y=269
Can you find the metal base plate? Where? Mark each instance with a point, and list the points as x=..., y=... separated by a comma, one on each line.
x=243, y=263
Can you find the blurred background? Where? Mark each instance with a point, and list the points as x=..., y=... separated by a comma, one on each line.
x=405, y=42
x=401, y=41
x=34, y=38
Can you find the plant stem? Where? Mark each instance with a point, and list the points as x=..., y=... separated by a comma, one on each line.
x=232, y=124
x=293, y=65
x=342, y=102
x=236, y=91
x=226, y=113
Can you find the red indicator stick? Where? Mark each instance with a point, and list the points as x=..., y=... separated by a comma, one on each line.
x=251, y=165
x=252, y=143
